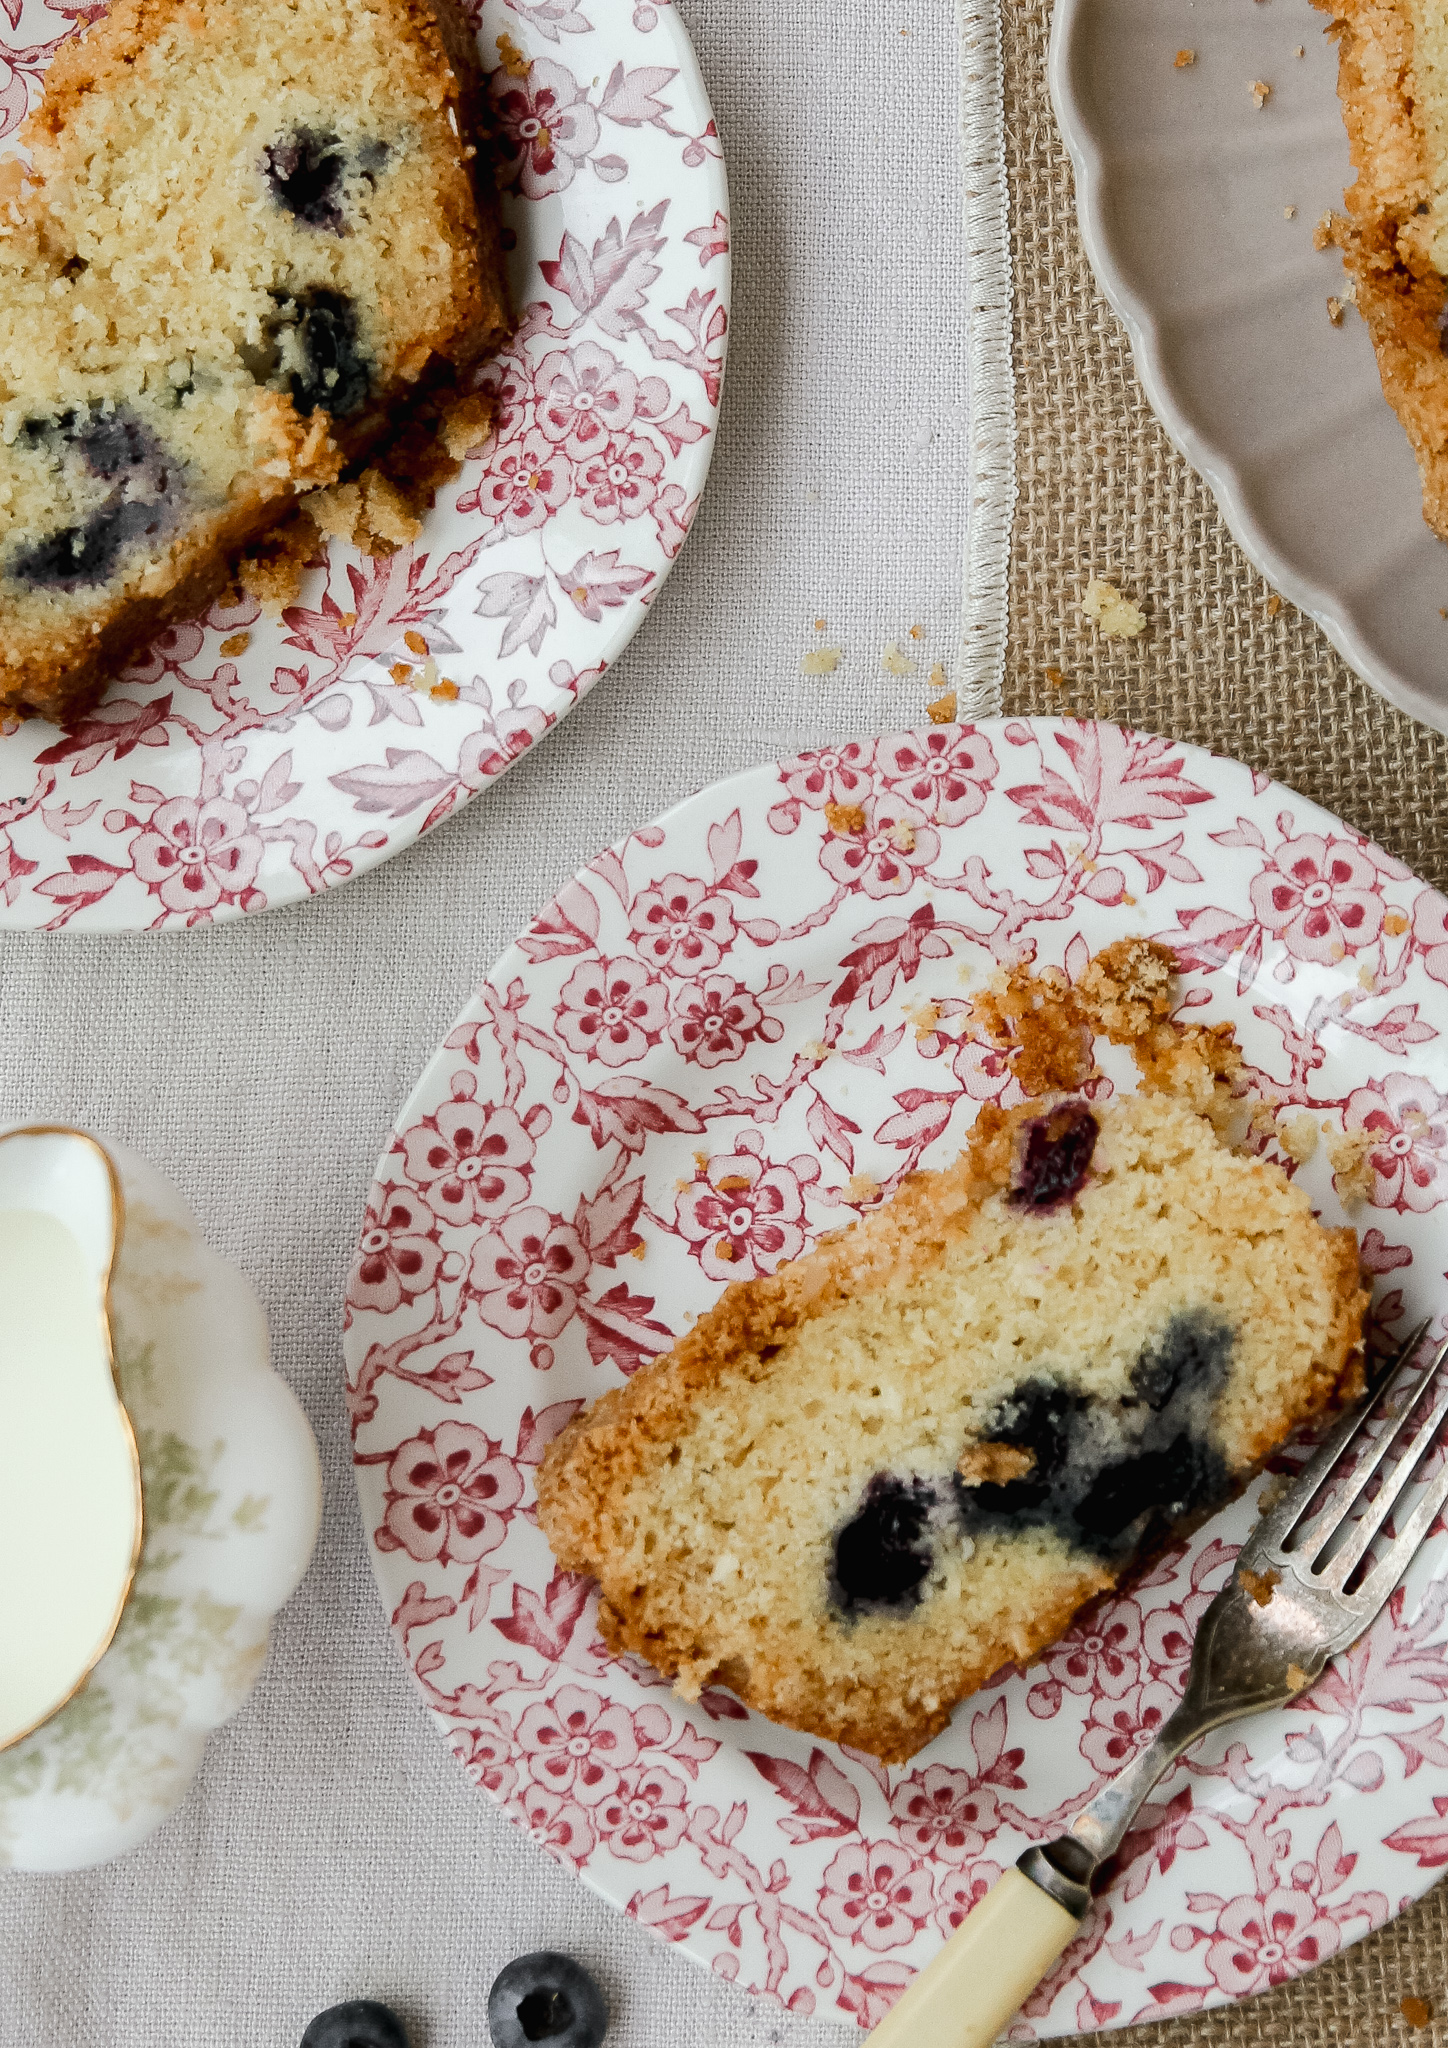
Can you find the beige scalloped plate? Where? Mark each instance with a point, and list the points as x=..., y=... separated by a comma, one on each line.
x=1182, y=183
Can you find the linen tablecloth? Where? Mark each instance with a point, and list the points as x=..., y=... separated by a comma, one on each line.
x=331, y=1847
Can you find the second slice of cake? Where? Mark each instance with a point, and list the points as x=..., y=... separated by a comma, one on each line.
x=249, y=234
x=859, y=1487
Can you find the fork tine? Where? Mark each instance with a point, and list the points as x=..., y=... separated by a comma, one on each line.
x=1280, y=1524
x=1396, y=1478
x=1372, y=1595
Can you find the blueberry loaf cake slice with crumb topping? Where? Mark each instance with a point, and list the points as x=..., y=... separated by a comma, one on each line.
x=248, y=236
x=1393, y=86
x=859, y=1487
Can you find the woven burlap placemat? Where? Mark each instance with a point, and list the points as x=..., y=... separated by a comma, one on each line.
x=1101, y=492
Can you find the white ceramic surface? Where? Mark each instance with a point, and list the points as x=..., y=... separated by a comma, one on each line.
x=232, y=1497
x=209, y=783
x=729, y=1033
x=1182, y=186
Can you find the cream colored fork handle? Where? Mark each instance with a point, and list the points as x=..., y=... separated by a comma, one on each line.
x=968, y=1995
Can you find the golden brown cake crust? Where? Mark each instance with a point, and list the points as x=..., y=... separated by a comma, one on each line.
x=57, y=669
x=1384, y=231
x=587, y=1475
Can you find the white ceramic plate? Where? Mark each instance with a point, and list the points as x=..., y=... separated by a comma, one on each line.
x=720, y=1039
x=208, y=784
x=231, y=1495
x=1182, y=185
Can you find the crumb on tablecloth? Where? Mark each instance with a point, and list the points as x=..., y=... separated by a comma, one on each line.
x=1117, y=616
x=1261, y=92
x=1289, y=213
x=1416, y=2011
x=941, y=710
x=1274, y=605
x=1055, y=678
x=1334, y=311
x=894, y=662
x=1184, y=58
x=820, y=661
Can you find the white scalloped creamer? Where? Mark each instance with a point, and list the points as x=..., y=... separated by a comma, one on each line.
x=70, y=1484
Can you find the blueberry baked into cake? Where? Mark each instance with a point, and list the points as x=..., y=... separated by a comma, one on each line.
x=858, y=1488
x=1393, y=233
x=249, y=235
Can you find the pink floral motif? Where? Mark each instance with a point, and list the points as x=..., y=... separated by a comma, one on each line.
x=586, y=396
x=472, y=1158
x=944, y=774
x=646, y=1815
x=1430, y=932
x=398, y=1258
x=195, y=856
x=561, y=1826
x=1100, y=1654
x=621, y=480
x=578, y=1744
x=681, y=926
x=959, y=1892
x=1121, y=1726
x=612, y=1010
x=526, y=482
x=485, y=1751
x=1321, y=897
x=547, y=125
x=717, y=1019
x=830, y=775
x=526, y=1273
x=449, y=1493
x=1408, y=1123
x=940, y=1812
x=742, y=1217
x=876, y=1894
x=1262, y=1941
x=887, y=858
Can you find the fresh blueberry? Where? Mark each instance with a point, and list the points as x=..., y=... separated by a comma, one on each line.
x=546, y=1997
x=884, y=1552
x=1056, y=1157
x=360, y=2023
x=305, y=171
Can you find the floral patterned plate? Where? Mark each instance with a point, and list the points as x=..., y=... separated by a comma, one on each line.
x=232, y=1497
x=248, y=762
x=731, y=1032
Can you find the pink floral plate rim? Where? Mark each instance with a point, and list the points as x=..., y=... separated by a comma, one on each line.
x=249, y=762
x=729, y=1032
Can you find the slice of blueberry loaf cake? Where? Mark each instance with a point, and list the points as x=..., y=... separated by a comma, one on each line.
x=247, y=237
x=859, y=1487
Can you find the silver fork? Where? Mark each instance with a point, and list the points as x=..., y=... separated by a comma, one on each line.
x=1302, y=1589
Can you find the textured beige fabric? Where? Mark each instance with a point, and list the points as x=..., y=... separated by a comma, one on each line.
x=1102, y=492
